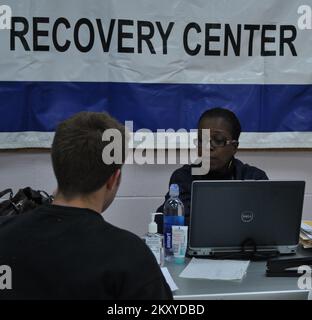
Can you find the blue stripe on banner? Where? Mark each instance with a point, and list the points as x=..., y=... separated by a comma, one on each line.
x=40, y=106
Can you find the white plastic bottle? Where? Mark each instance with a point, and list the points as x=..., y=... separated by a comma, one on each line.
x=173, y=216
x=154, y=241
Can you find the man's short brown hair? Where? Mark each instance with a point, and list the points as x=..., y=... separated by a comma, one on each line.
x=77, y=153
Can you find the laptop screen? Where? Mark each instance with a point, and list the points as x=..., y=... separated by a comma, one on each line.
x=227, y=213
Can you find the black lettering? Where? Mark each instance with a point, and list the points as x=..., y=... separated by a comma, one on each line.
x=188, y=50
x=288, y=40
x=164, y=34
x=145, y=37
x=124, y=35
x=252, y=28
x=228, y=34
x=78, y=44
x=265, y=39
x=19, y=34
x=106, y=43
x=56, y=44
x=210, y=38
x=39, y=33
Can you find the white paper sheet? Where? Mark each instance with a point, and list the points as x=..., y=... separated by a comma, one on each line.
x=215, y=269
x=169, y=279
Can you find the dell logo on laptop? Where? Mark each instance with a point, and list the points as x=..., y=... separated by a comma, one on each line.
x=247, y=216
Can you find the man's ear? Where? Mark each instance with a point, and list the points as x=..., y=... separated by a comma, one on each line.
x=113, y=180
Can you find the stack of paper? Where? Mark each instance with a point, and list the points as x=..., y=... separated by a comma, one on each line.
x=215, y=269
x=306, y=234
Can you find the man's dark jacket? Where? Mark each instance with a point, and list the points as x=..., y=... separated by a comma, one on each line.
x=58, y=252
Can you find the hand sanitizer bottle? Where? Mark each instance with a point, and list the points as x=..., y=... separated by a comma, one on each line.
x=154, y=241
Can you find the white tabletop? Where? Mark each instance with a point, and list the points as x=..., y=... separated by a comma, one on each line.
x=255, y=285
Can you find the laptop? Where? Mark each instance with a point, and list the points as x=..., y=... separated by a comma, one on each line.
x=238, y=216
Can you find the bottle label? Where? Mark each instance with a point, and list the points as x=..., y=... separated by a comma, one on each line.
x=155, y=244
x=170, y=221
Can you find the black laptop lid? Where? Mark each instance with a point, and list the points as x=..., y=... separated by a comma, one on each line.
x=226, y=213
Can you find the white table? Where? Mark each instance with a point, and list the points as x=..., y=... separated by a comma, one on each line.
x=255, y=285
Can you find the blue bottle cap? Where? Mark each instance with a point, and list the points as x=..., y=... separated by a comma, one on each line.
x=179, y=260
x=174, y=190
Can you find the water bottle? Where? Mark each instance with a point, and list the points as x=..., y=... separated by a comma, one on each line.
x=173, y=216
